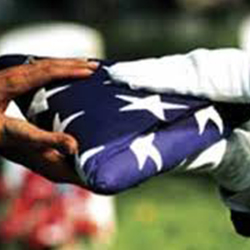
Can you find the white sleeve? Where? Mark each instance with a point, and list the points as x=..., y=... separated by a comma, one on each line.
x=221, y=75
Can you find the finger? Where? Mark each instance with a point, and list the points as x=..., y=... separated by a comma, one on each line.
x=21, y=79
x=65, y=67
x=49, y=163
x=54, y=166
x=81, y=62
x=28, y=135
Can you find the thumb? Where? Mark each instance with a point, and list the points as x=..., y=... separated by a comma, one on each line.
x=18, y=132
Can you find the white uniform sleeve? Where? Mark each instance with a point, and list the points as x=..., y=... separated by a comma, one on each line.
x=221, y=75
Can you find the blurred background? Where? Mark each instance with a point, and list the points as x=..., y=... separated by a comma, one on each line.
x=138, y=28
x=168, y=212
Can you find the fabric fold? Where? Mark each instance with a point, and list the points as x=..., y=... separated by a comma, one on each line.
x=126, y=136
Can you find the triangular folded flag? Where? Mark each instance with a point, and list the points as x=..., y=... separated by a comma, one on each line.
x=126, y=136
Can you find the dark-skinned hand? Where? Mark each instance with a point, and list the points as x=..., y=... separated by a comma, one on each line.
x=44, y=152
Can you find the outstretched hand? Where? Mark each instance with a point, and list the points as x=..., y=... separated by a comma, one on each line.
x=43, y=152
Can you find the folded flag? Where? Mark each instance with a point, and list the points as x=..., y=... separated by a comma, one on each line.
x=126, y=136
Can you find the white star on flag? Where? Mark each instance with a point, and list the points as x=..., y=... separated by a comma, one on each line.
x=143, y=148
x=83, y=158
x=203, y=116
x=208, y=159
x=89, y=154
x=39, y=102
x=60, y=126
x=152, y=103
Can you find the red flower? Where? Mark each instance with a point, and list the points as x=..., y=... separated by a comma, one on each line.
x=52, y=228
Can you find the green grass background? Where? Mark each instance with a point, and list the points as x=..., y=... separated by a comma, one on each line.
x=175, y=213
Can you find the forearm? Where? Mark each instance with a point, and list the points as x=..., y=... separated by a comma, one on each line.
x=221, y=75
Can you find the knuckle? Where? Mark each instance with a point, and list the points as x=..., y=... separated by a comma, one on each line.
x=61, y=140
x=52, y=70
x=10, y=81
x=60, y=137
x=46, y=66
x=9, y=76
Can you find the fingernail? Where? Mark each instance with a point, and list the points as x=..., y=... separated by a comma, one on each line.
x=84, y=59
x=93, y=64
x=67, y=147
x=83, y=71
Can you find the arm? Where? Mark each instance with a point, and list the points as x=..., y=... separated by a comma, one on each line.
x=221, y=75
